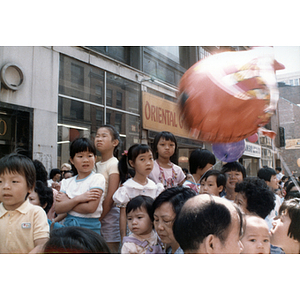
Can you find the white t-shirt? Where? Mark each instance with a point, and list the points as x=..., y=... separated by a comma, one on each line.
x=75, y=187
x=131, y=189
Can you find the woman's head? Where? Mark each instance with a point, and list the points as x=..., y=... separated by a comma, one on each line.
x=165, y=208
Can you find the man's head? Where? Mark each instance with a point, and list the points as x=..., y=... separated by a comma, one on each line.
x=209, y=224
x=269, y=176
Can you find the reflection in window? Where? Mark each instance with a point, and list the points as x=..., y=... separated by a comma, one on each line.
x=119, y=100
x=77, y=75
x=118, y=122
x=109, y=97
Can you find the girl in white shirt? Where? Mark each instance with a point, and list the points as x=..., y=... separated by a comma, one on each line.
x=139, y=157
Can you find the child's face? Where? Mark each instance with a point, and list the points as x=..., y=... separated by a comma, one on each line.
x=165, y=149
x=143, y=164
x=104, y=141
x=273, y=183
x=34, y=198
x=232, y=178
x=209, y=186
x=256, y=239
x=139, y=221
x=84, y=163
x=13, y=190
x=279, y=232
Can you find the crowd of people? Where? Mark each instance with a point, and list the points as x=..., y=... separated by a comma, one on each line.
x=144, y=203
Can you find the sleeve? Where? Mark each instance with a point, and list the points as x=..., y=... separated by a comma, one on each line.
x=40, y=223
x=98, y=182
x=113, y=168
x=63, y=186
x=121, y=197
x=180, y=174
x=160, y=188
x=131, y=248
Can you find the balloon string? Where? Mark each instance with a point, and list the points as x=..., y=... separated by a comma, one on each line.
x=289, y=171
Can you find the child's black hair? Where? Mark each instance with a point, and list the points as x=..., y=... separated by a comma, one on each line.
x=168, y=136
x=75, y=240
x=82, y=145
x=141, y=201
x=45, y=194
x=21, y=164
x=266, y=173
x=292, y=207
x=53, y=172
x=199, y=158
x=133, y=152
x=115, y=136
x=220, y=177
x=234, y=166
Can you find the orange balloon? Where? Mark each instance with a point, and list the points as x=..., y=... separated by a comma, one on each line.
x=298, y=162
x=227, y=96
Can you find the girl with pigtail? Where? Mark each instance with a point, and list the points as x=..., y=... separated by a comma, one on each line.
x=134, y=168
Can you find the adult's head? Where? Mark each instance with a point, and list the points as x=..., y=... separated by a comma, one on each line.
x=209, y=224
x=254, y=196
x=165, y=208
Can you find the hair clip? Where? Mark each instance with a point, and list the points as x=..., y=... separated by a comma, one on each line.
x=125, y=152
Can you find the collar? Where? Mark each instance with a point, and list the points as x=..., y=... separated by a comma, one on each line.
x=133, y=184
x=23, y=209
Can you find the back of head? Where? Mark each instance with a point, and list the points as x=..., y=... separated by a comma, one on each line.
x=199, y=217
x=176, y=196
x=199, y=158
x=21, y=164
x=260, y=199
x=266, y=173
x=234, y=166
x=41, y=172
x=75, y=240
x=45, y=195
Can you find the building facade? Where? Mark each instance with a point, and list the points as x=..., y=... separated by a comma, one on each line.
x=51, y=95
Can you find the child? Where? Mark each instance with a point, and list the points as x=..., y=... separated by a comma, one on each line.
x=43, y=196
x=81, y=196
x=75, y=240
x=256, y=238
x=107, y=141
x=234, y=172
x=286, y=227
x=213, y=182
x=140, y=158
x=23, y=226
x=144, y=239
x=200, y=161
x=164, y=171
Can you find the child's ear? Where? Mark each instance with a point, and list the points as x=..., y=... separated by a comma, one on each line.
x=71, y=161
x=220, y=188
x=115, y=143
x=131, y=163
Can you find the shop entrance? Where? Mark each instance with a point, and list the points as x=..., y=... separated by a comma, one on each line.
x=15, y=129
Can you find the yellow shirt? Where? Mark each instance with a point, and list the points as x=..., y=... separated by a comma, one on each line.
x=19, y=228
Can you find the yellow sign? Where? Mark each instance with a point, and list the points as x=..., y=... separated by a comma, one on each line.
x=162, y=115
x=292, y=144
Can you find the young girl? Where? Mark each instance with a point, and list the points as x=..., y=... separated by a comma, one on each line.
x=81, y=196
x=144, y=239
x=164, y=171
x=140, y=158
x=107, y=141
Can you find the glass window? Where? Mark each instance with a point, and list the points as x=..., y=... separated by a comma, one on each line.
x=109, y=97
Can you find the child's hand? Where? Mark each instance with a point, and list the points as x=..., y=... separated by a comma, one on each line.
x=91, y=195
x=61, y=197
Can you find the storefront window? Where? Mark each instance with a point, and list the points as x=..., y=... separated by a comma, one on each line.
x=82, y=108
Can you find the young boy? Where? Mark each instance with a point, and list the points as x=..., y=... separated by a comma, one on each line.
x=286, y=227
x=23, y=226
x=213, y=182
x=256, y=239
x=200, y=161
